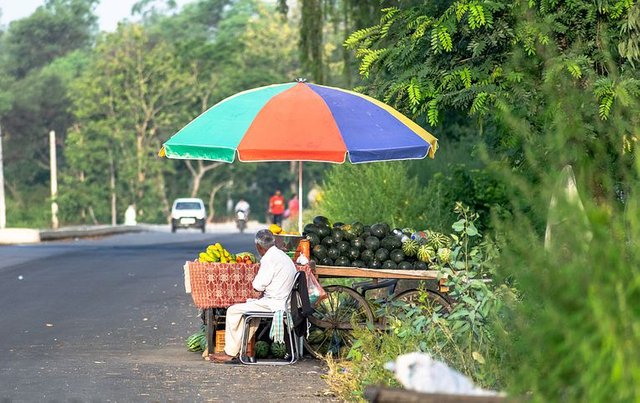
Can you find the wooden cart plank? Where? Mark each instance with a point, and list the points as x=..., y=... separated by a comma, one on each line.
x=336, y=271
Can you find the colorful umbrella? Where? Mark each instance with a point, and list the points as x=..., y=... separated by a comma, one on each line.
x=300, y=122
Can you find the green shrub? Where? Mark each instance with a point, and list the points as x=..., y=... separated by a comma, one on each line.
x=477, y=188
x=463, y=338
x=575, y=333
x=377, y=192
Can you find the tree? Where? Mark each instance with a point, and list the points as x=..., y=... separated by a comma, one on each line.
x=250, y=46
x=39, y=56
x=53, y=30
x=125, y=101
x=429, y=57
x=324, y=25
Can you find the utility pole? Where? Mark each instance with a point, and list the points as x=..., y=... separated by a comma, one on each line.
x=54, y=179
x=3, y=209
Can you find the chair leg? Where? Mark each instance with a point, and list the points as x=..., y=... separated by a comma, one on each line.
x=243, y=343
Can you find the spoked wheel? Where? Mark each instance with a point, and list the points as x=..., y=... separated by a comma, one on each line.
x=428, y=301
x=334, y=319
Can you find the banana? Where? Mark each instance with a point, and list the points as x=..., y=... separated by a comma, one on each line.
x=204, y=257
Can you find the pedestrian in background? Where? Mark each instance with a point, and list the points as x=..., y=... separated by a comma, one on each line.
x=293, y=207
x=277, y=207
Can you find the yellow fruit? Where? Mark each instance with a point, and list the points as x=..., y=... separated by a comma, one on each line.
x=274, y=228
x=204, y=257
x=218, y=246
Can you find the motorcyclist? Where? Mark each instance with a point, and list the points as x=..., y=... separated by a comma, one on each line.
x=242, y=205
x=242, y=214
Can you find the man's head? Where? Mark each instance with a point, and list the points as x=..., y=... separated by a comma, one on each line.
x=264, y=241
x=278, y=192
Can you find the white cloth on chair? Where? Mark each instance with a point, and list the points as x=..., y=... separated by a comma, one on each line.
x=277, y=326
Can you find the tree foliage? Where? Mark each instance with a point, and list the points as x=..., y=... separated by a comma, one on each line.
x=126, y=99
x=53, y=30
x=429, y=57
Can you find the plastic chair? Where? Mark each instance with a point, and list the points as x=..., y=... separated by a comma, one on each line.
x=294, y=343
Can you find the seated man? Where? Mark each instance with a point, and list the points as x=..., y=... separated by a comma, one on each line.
x=274, y=279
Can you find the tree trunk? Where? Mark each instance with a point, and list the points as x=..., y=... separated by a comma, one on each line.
x=140, y=170
x=93, y=216
x=163, y=196
x=198, y=174
x=212, y=197
x=112, y=185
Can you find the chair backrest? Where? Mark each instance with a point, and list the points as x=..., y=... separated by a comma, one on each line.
x=295, y=287
x=301, y=308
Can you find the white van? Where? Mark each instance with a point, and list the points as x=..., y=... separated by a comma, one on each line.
x=188, y=212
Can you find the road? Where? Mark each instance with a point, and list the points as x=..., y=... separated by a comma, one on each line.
x=106, y=320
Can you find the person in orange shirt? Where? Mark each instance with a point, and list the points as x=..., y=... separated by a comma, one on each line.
x=277, y=207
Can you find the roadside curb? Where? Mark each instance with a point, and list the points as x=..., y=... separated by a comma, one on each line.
x=9, y=236
x=13, y=236
x=81, y=232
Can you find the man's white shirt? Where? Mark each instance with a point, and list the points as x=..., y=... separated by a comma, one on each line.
x=275, y=278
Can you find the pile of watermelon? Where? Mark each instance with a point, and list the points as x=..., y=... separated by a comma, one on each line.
x=375, y=246
x=276, y=350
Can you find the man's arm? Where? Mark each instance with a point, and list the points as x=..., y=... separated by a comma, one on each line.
x=263, y=277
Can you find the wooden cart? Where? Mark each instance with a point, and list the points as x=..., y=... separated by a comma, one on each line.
x=347, y=305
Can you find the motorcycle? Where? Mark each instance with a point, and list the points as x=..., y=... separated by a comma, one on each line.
x=241, y=220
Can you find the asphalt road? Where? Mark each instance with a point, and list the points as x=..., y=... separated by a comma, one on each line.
x=106, y=320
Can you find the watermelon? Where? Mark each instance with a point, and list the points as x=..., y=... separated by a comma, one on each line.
x=389, y=265
x=437, y=240
x=197, y=341
x=396, y=255
x=404, y=265
x=425, y=253
x=343, y=247
x=319, y=251
x=379, y=230
x=410, y=247
x=444, y=255
x=320, y=220
x=391, y=242
x=367, y=255
x=382, y=254
x=262, y=349
x=278, y=350
x=372, y=243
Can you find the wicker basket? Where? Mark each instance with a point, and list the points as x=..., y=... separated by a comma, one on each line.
x=220, y=285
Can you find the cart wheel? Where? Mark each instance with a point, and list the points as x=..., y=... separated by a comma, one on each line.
x=331, y=323
x=411, y=299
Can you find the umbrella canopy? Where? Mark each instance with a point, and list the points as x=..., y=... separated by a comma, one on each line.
x=300, y=122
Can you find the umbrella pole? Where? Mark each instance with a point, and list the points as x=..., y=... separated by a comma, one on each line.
x=300, y=197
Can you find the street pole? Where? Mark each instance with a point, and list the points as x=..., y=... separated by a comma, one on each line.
x=54, y=179
x=3, y=208
x=300, y=198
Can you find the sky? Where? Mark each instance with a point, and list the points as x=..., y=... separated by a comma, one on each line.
x=109, y=12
